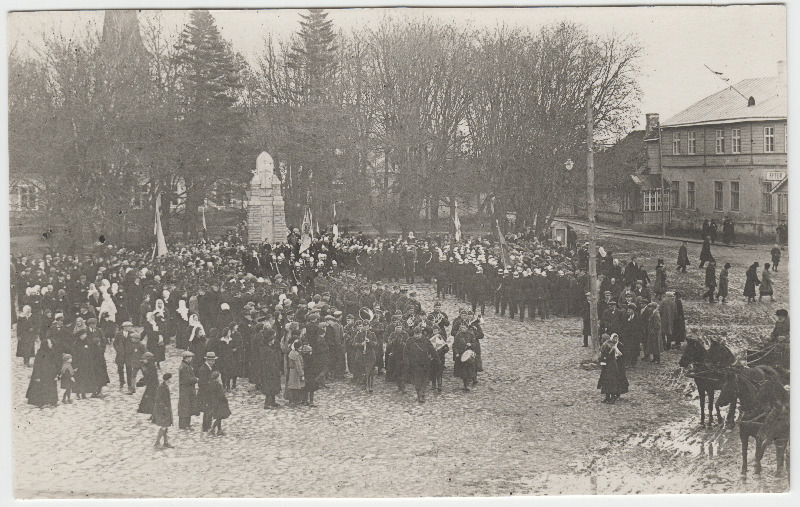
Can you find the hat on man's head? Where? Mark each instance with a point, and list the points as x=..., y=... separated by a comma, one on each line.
x=782, y=313
x=186, y=354
x=127, y=323
x=211, y=355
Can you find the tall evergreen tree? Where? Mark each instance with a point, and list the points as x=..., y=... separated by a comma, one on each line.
x=313, y=56
x=211, y=122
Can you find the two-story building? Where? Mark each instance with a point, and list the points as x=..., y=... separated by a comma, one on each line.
x=724, y=156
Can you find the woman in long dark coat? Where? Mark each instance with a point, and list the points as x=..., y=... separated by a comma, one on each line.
x=43, y=387
x=751, y=282
x=83, y=360
x=705, y=252
x=273, y=364
x=613, y=382
x=150, y=381
x=26, y=335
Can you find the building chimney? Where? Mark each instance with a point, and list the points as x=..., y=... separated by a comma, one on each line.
x=781, y=69
x=651, y=124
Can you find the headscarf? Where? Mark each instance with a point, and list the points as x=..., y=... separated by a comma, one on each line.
x=159, y=308
x=183, y=310
x=611, y=345
x=108, y=308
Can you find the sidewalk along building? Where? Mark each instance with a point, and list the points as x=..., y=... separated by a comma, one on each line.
x=725, y=156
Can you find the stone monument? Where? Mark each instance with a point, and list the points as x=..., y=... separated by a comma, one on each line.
x=266, y=218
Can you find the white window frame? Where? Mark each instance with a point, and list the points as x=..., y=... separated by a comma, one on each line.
x=736, y=140
x=676, y=143
x=675, y=194
x=766, y=198
x=719, y=191
x=719, y=142
x=651, y=200
x=783, y=203
x=691, y=143
x=735, y=203
x=33, y=192
x=769, y=139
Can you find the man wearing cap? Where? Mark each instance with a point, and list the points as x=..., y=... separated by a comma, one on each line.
x=187, y=392
x=121, y=347
x=136, y=349
x=204, y=392
x=441, y=317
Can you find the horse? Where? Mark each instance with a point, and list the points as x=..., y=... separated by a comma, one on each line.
x=708, y=377
x=759, y=390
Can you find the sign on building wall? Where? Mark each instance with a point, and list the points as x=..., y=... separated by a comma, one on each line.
x=775, y=175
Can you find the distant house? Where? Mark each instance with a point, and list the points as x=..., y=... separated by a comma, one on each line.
x=726, y=156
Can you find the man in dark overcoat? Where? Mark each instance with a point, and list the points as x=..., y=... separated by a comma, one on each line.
x=419, y=355
x=187, y=392
x=204, y=392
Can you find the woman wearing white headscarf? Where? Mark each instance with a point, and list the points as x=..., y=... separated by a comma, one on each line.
x=182, y=324
x=197, y=340
x=155, y=337
x=108, y=310
x=613, y=382
x=26, y=335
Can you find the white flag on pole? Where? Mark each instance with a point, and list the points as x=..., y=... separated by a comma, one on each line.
x=457, y=223
x=160, y=247
x=307, y=233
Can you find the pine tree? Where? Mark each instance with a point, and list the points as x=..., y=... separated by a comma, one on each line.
x=313, y=56
x=211, y=124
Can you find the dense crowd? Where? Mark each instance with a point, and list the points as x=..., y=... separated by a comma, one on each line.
x=289, y=317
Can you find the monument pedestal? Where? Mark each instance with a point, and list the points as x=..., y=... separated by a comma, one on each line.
x=266, y=218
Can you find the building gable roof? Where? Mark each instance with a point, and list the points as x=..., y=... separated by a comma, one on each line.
x=727, y=105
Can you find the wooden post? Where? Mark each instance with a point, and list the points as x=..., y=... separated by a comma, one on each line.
x=591, y=212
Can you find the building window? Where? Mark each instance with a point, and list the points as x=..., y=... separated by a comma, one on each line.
x=783, y=203
x=690, y=195
x=676, y=143
x=28, y=198
x=766, y=197
x=717, y=196
x=691, y=146
x=720, y=141
x=651, y=200
x=736, y=140
x=734, y=196
x=675, y=194
x=769, y=139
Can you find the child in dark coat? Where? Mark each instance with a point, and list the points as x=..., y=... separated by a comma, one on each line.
x=219, y=404
x=162, y=411
x=67, y=378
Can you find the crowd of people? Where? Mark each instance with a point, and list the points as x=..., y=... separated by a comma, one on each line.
x=289, y=317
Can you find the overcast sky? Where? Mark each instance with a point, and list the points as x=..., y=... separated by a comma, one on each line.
x=741, y=41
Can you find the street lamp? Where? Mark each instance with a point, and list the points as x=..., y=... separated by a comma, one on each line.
x=569, y=164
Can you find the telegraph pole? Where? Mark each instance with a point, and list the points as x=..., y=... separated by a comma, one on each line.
x=591, y=212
